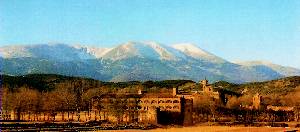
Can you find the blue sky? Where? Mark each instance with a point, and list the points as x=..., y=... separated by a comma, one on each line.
x=233, y=29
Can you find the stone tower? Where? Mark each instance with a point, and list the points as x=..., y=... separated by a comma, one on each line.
x=175, y=91
x=206, y=87
x=204, y=82
x=188, y=112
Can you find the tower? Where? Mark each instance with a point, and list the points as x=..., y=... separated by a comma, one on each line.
x=187, y=112
x=204, y=82
x=175, y=91
x=205, y=86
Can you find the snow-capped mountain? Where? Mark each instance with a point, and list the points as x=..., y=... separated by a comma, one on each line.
x=150, y=50
x=134, y=61
x=57, y=52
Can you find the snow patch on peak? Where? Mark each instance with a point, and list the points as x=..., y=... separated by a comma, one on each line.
x=121, y=52
x=163, y=51
x=15, y=51
x=196, y=52
x=95, y=51
x=151, y=50
x=191, y=49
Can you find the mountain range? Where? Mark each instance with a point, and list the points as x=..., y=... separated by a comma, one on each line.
x=133, y=61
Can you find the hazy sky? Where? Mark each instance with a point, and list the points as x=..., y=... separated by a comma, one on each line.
x=233, y=29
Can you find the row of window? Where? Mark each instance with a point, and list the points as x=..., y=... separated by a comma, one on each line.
x=161, y=101
x=146, y=101
x=162, y=107
x=169, y=107
x=153, y=107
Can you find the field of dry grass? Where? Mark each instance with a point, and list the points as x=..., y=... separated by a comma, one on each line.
x=215, y=129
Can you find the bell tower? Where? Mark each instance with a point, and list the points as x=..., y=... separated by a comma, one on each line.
x=205, y=86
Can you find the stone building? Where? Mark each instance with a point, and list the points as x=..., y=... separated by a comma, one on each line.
x=146, y=107
x=161, y=108
x=208, y=89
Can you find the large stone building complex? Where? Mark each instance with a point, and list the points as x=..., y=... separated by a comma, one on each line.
x=162, y=108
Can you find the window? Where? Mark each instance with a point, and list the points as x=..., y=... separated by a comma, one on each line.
x=168, y=101
x=169, y=107
x=175, y=101
x=175, y=107
x=146, y=101
x=153, y=102
x=161, y=101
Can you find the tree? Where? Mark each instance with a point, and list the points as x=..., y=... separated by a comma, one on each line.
x=118, y=107
x=50, y=103
x=6, y=99
x=242, y=107
x=293, y=100
x=205, y=105
x=24, y=100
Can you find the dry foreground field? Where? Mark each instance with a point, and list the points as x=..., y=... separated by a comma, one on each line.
x=215, y=129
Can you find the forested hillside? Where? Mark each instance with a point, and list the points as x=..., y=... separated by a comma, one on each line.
x=280, y=86
x=51, y=93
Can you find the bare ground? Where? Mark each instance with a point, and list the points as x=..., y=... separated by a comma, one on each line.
x=215, y=129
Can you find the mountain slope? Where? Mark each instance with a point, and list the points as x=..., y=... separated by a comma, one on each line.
x=283, y=70
x=197, y=53
x=133, y=61
x=97, y=52
x=57, y=52
x=149, y=50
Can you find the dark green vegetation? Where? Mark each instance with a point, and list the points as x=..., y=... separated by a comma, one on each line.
x=49, y=93
x=48, y=82
x=281, y=86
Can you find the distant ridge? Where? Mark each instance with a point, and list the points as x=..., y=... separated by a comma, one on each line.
x=132, y=61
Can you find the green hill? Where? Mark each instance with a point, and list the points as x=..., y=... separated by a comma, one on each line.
x=48, y=82
x=281, y=86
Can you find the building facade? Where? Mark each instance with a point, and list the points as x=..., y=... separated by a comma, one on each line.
x=162, y=108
